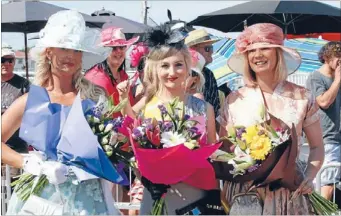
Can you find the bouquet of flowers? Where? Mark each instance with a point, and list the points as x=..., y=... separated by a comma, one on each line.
x=266, y=155
x=114, y=144
x=96, y=126
x=170, y=151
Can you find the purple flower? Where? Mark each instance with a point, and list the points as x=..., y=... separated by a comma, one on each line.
x=116, y=122
x=162, y=109
x=253, y=168
x=167, y=126
x=149, y=127
x=240, y=131
x=137, y=134
x=147, y=121
x=186, y=117
x=193, y=130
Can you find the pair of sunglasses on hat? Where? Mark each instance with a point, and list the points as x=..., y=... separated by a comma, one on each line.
x=9, y=60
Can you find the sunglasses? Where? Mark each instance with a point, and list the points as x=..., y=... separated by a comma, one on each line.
x=208, y=48
x=9, y=60
x=119, y=48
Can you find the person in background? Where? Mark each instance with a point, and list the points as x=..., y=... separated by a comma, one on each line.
x=138, y=59
x=196, y=80
x=325, y=84
x=201, y=41
x=108, y=74
x=12, y=87
x=111, y=71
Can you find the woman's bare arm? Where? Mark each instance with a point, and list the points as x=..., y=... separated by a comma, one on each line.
x=11, y=121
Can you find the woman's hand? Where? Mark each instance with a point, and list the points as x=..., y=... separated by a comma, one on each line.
x=123, y=89
x=306, y=187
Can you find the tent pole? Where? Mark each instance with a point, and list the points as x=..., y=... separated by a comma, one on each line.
x=26, y=55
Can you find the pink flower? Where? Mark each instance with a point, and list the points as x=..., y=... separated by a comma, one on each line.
x=195, y=57
x=137, y=53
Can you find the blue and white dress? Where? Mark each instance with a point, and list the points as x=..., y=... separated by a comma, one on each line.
x=89, y=197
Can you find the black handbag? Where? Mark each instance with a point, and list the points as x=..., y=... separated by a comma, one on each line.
x=209, y=205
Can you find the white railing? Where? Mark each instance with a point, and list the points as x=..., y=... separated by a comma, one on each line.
x=298, y=78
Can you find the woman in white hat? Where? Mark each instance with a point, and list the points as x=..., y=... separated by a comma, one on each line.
x=265, y=64
x=63, y=45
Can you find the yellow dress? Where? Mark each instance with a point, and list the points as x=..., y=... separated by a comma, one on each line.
x=179, y=195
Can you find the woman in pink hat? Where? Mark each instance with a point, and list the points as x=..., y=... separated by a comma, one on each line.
x=111, y=71
x=265, y=64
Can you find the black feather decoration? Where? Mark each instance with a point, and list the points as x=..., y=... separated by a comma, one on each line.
x=163, y=35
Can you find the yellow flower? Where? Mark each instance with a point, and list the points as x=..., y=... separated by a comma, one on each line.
x=260, y=147
x=251, y=134
x=192, y=144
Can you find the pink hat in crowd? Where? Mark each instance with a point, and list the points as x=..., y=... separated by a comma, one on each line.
x=114, y=37
x=139, y=51
x=262, y=35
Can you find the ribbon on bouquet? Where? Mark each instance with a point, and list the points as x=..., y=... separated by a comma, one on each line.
x=64, y=135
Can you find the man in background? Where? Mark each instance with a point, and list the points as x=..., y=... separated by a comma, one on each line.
x=12, y=87
x=325, y=84
x=200, y=41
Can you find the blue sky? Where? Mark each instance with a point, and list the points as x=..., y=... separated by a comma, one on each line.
x=185, y=10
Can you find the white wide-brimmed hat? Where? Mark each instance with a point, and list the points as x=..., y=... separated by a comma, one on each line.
x=262, y=35
x=6, y=50
x=66, y=29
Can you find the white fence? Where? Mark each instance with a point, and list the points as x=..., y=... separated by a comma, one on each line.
x=297, y=78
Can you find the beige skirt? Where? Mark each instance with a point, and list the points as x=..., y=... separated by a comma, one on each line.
x=274, y=202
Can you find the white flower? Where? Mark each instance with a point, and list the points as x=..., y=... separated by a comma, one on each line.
x=96, y=120
x=170, y=139
x=241, y=162
x=113, y=138
x=104, y=140
x=101, y=127
x=108, y=127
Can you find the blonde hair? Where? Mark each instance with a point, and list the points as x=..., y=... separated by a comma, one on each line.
x=199, y=86
x=281, y=72
x=151, y=80
x=43, y=76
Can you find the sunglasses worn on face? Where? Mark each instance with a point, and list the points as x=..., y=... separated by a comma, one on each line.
x=9, y=60
x=119, y=48
x=208, y=48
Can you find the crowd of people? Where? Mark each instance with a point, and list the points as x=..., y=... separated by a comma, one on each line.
x=169, y=64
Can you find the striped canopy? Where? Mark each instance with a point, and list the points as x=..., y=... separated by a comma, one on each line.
x=223, y=49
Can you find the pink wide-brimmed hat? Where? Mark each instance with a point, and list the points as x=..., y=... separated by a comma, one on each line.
x=262, y=35
x=114, y=37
